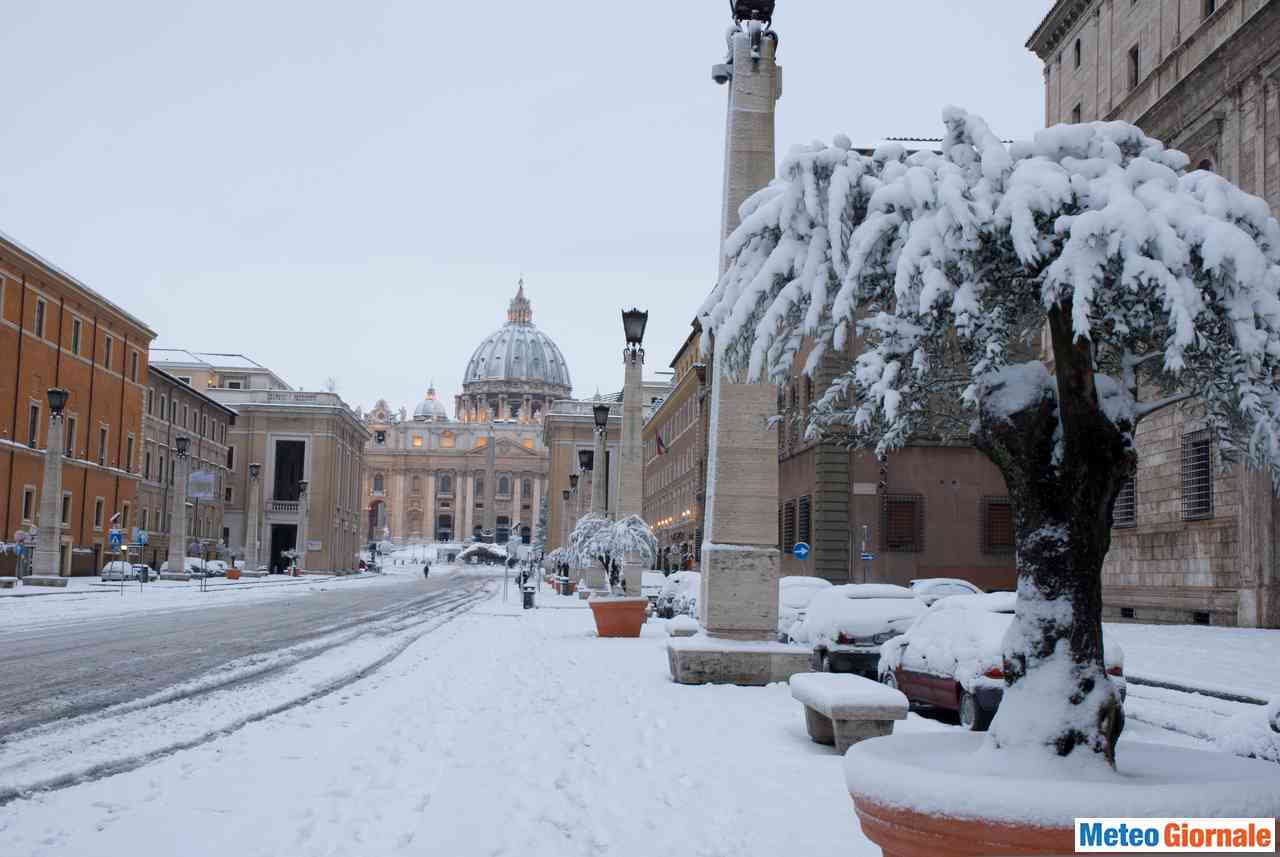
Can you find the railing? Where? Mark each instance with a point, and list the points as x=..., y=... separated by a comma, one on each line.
x=284, y=507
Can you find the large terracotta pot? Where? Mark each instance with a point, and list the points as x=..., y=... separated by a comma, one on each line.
x=951, y=794
x=233, y=574
x=618, y=617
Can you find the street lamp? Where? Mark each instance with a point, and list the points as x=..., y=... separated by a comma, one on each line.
x=634, y=322
x=252, y=527
x=586, y=458
x=600, y=413
x=573, y=482
x=305, y=511
x=599, y=483
x=177, y=563
x=48, y=559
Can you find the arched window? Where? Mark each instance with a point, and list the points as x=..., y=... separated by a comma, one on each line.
x=479, y=484
x=446, y=484
x=526, y=488
x=377, y=482
x=504, y=487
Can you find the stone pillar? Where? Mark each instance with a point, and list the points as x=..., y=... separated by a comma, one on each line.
x=468, y=505
x=491, y=486
x=178, y=525
x=535, y=504
x=429, y=513
x=48, y=558
x=740, y=563
x=631, y=472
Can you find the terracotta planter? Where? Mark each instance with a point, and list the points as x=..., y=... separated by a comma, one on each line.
x=948, y=795
x=233, y=574
x=618, y=617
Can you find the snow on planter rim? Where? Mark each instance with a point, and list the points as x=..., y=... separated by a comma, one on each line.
x=958, y=775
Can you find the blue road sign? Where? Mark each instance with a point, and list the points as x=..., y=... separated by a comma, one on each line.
x=139, y=536
x=801, y=550
x=867, y=557
x=116, y=538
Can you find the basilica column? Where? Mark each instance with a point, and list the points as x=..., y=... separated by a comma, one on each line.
x=535, y=505
x=491, y=485
x=429, y=509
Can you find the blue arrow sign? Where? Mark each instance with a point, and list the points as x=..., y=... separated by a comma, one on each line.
x=116, y=538
x=801, y=550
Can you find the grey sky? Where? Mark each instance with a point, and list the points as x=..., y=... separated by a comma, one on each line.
x=352, y=189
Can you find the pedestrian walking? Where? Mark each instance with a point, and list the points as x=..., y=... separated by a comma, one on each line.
x=426, y=569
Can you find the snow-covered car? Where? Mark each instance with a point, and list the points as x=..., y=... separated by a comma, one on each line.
x=952, y=657
x=118, y=569
x=794, y=594
x=651, y=583
x=215, y=568
x=930, y=589
x=680, y=595
x=191, y=565
x=847, y=624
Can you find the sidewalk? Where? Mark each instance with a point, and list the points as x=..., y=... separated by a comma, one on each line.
x=1240, y=661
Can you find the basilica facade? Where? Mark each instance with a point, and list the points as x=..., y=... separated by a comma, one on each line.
x=483, y=474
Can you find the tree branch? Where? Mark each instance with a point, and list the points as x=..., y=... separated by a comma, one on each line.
x=1146, y=409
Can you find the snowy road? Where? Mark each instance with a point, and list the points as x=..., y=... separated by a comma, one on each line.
x=83, y=666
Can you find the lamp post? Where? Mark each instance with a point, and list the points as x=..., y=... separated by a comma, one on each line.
x=304, y=511
x=586, y=462
x=49, y=533
x=631, y=490
x=564, y=513
x=600, y=482
x=178, y=521
x=251, y=525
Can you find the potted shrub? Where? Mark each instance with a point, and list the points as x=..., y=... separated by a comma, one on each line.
x=598, y=539
x=1038, y=301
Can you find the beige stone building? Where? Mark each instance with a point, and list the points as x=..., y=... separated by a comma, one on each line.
x=1191, y=544
x=173, y=408
x=295, y=437
x=481, y=476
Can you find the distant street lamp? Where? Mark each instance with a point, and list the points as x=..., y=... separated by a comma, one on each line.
x=178, y=521
x=48, y=558
x=564, y=508
x=251, y=525
x=600, y=481
x=304, y=510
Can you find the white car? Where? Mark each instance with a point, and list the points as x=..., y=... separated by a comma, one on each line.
x=847, y=624
x=953, y=657
x=930, y=589
x=651, y=583
x=119, y=570
x=794, y=594
x=191, y=565
x=216, y=567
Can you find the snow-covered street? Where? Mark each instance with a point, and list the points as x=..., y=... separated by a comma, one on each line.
x=489, y=731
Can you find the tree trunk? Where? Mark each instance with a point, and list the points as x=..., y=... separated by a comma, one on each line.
x=1057, y=693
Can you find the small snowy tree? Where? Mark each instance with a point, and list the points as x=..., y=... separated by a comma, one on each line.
x=598, y=539
x=1040, y=298
x=540, y=531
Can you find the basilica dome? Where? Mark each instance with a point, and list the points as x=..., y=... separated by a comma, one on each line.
x=431, y=409
x=517, y=366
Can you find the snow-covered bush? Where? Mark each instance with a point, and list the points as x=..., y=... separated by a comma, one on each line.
x=598, y=539
x=1038, y=300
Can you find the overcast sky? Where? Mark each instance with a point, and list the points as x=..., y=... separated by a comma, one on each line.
x=352, y=189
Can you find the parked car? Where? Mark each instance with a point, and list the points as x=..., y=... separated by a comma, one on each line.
x=118, y=569
x=651, y=583
x=680, y=594
x=191, y=565
x=952, y=658
x=930, y=589
x=846, y=625
x=215, y=567
x=794, y=594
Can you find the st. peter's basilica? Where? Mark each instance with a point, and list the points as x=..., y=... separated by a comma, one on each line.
x=483, y=473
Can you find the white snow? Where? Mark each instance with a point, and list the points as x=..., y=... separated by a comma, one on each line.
x=858, y=610
x=683, y=625
x=836, y=693
x=1234, y=660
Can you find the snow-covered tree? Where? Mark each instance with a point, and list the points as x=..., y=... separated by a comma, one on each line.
x=598, y=539
x=540, y=530
x=1041, y=299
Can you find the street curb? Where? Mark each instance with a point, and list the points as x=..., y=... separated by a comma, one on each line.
x=1203, y=691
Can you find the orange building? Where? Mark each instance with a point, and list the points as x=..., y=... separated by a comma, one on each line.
x=57, y=332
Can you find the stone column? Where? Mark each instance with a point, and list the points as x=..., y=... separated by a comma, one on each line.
x=178, y=525
x=429, y=513
x=468, y=506
x=491, y=485
x=740, y=563
x=48, y=558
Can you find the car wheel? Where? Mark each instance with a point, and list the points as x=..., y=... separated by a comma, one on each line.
x=972, y=717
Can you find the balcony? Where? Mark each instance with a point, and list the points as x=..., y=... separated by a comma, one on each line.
x=283, y=507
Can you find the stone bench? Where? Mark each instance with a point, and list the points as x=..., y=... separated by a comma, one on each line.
x=8, y=582
x=45, y=580
x=844, y=709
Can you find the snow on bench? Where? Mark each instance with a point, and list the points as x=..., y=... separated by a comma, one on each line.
x=843, y=709
x=8, y=582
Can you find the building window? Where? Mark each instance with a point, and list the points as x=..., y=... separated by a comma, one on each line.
x=144, y=518
x=902, y=523
x=377, y=483
x=380, y=437
x=1076, y=53
x=788, y=526
x=1075, y=115
x=39, y=325
x=415, y=485
x=1126, y=508
x=33, y=425
x=226, y=497
x=151, y=401
x=66, y=508
x=75, y=336
x=106, y=360
x=204, y=426
x=417, y=441
x=186, y=417
x=102, y=445
x=71, y=437
x=1210, y=6
x=1200, y=617
x=173, y=411
x=479, y=485
x=1134, y=66
x=97, y=513
x=128, y=454
x=133, y=366
x=233, y=385
x=28, y=503
x=802, y=520
x=1197, y=475
x=146, y=465
x=124, y=517
x=446, y=484
x=504, y=487
x=997, y=525
x=1128, y=613
x=526, y=489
